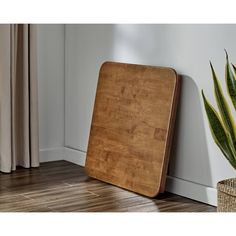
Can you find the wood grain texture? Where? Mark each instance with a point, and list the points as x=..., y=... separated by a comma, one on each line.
x=132, y=126
x=64, y=187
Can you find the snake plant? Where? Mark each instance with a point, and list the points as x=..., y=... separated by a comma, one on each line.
x=221, y=122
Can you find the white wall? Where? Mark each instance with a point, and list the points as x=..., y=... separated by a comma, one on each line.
x=196, y=163
x=86, y=48
x=50, y=42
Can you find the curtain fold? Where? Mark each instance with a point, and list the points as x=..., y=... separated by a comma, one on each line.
x=19, y=102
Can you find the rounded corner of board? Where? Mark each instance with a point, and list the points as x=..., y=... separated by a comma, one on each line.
x=156, y=192
x=176, y=77
x=153, y=195
x=174, y=73
x=104, y=65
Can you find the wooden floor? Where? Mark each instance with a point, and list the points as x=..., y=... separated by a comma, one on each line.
x=63, y=187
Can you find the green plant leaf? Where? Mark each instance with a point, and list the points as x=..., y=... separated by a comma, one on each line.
x=219, y=134
x=230, y=81
x=234, y=68
x=225, y=112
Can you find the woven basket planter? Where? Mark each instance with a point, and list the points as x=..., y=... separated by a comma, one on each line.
x=226, y=191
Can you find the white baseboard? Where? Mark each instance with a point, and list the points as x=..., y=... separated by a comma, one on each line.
x=75, y=156
x=192, y=190
x=175, y=185
x=62, y=153
x=51, y=154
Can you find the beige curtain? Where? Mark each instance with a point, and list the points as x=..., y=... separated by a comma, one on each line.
x=18, y=98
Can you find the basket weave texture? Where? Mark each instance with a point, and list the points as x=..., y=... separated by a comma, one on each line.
x=226, y=191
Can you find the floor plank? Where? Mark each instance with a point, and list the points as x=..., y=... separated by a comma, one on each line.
x=62, y=186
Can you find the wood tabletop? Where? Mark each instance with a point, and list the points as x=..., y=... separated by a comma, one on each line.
x=132, y=126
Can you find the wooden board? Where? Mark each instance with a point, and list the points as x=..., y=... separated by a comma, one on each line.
x=132, y=126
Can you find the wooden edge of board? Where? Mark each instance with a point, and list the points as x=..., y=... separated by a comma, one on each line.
x=169, y=140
